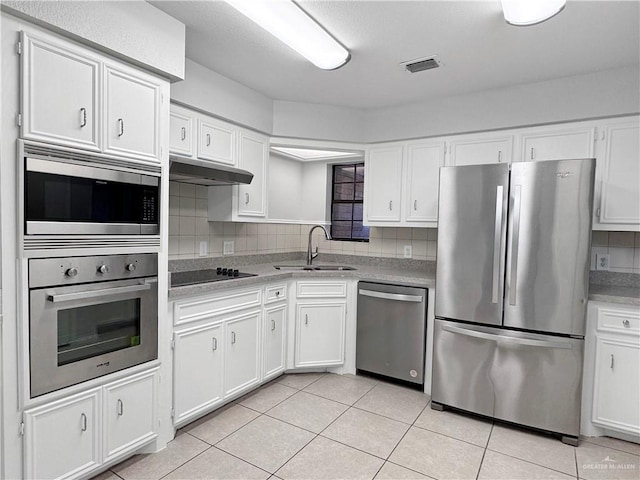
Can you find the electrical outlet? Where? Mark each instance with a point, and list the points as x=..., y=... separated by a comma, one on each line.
x=228, y=248
x=203, y=249
x=602, y=261
x=407, y=251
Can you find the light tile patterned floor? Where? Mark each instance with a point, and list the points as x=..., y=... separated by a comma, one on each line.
x=324, y=426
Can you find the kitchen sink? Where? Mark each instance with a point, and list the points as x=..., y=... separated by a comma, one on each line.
x=314, y=267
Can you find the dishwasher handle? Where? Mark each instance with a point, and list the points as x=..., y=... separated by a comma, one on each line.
x=391, y=296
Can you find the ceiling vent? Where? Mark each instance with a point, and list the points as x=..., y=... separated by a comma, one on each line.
x=421, y=64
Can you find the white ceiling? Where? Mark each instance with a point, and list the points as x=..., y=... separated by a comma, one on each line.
x=478, y=49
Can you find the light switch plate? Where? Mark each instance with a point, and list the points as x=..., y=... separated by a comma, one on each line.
x=228, y=247
x=407, y=251
x=203, y=249
x=602, y=261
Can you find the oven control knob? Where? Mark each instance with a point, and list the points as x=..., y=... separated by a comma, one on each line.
x=103, y=269
x=71, y=272
x=131, y=267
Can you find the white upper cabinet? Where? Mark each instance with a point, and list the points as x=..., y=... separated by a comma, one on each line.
x=619, y=173
x=132, y=113
x=480, y=149
x=383, y=184
x=559, y=143
x=60, y=97
x=180, y=133
x=254, y=151
x=423, y=162
x=216, y=141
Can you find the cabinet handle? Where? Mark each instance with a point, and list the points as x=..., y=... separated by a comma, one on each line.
x=246, y=199
x=208, y=139
x=273, y=325
x=120, y=408
x=233, y=338
x=214, y=344
x=83, y=422
x=532, y=153
x=415, y=204
x=183, y=132
x=120, y=127
x=278, y=294
x=626, y=323
x=306, y=319
x=612, y=361
x=499, y=156
x=390, y=204
x=83, y=117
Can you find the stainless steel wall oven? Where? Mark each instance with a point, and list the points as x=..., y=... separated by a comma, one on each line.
x=90, y=316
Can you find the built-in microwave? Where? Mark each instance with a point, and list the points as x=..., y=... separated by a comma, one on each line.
x=67, y=197
x=90, y=316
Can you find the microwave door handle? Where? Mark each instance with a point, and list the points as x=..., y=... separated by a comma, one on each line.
x=67, y=297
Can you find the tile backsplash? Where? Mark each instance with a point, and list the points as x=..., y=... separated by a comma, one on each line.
x=188, y=226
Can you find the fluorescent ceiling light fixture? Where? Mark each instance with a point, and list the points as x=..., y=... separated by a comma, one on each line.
x=289, y=23
x=530, y=12
x=309, y=154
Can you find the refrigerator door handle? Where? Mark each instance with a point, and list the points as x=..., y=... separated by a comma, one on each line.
x=504, y=338
x=497, y=239
x=515, y=239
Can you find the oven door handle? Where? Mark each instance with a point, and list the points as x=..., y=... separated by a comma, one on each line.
x=67, y=297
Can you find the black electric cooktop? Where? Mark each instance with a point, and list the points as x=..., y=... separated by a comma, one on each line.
x=192, y=277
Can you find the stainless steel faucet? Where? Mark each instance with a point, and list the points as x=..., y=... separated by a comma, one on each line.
x=310, y=254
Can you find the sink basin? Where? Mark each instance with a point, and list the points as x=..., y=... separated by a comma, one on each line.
x=314, y=267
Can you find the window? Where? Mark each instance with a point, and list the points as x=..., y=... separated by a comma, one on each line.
x=346, y=203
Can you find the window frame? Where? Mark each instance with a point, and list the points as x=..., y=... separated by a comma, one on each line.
x=351, y=202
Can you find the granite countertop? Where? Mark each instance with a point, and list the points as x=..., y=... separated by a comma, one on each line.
x=614, y=294
x=265, y=272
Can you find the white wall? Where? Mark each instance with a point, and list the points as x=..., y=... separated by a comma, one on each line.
x=133, y=30
x=218, y=95
x=605, y=93
x=285, y=188
x=322, y=122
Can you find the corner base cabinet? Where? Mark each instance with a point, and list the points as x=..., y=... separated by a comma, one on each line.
x=73, y=436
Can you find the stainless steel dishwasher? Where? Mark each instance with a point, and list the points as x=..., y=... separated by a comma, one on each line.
x=391, y=332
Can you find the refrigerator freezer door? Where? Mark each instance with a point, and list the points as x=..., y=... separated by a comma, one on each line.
x=547, y=274
x=529, y=379
x=472, y=213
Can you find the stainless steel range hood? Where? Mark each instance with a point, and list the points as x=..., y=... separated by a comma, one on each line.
x=198, y=172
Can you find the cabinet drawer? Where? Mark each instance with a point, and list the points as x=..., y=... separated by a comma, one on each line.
x=275, y=293
x=618, y=321
x=321, y=289
x=204, y=307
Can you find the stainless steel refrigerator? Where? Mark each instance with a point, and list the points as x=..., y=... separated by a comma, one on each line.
x=512, y=283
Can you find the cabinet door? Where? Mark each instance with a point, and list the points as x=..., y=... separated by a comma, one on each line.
x=241, y=359
x=558, y=145
x=180, y=134
x=62, y=439
x=423, y=170
x=617, y=384
x=253, y=157
x=129, y=414
x=320, y=334
x=274, y=340
x=132, y=114
x=197, y=370
x=479, y=151
x=216, y=141
x=620, y=194
x=60, y=94
x=383, y=184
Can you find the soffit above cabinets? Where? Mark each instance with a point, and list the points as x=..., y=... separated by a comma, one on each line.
x=311, y=154
x=479, y=51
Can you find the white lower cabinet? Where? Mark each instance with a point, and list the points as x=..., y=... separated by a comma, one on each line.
x=616, y=386
x=274, y=340
x=241, y=353
x=69, y=438
x=197, y=370
x=320, y=334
